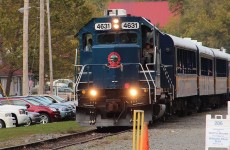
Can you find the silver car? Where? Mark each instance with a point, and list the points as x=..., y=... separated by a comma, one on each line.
x=57, y=99
x=35, y=118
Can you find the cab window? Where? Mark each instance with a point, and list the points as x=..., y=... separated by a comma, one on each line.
x=125, y=38
x=87, y=42
x=106, y=38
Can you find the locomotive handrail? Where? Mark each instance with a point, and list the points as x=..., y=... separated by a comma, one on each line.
x=168, y=77
x=144, y=72
x=76, y=83
x=155, y=100
x=82, y=71
x=147, y=82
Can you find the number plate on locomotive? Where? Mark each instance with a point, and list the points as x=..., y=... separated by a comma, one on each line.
x=130, y=25
x=103, y=26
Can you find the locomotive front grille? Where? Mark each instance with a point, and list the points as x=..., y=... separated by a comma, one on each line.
x=112, y=94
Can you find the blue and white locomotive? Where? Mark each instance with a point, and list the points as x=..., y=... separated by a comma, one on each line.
x=113, y=78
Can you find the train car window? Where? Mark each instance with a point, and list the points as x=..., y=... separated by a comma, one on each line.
x=229, y=68
x=186, y=61
x=106, y=38
x=125, y=38
x=206, y=67
x=221, y=70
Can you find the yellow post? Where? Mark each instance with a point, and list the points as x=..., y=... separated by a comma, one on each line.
x=142, y=130
x=138, y=122
x=3, y=91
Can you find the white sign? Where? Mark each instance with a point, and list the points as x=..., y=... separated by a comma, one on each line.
x=217, y=132
x=130, y=25
x=103, y=26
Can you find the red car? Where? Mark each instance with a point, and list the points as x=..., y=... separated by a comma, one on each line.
x=48, y=114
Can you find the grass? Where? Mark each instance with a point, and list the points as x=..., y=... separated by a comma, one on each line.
x=56, y=127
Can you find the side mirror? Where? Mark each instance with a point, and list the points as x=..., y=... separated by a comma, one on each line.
x=27, y=106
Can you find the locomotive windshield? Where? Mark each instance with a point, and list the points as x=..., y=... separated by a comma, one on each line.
x=112, y=38
x=106, y=38
x=128, y=38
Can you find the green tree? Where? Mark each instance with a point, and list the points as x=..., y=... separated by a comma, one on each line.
x=67, y=17
x=11, y=37
x=70, y=16
x=207, y=21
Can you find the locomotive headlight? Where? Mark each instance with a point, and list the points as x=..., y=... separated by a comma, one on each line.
x=115, y=20
x=116, y=26
x=93, y=92
x=133, y=92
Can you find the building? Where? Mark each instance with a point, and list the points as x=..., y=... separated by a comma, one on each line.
x=16, y=81
x=157, y=12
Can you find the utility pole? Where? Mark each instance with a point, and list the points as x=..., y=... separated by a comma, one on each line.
x=25, y=84
x=41, y=54
x=50, y=48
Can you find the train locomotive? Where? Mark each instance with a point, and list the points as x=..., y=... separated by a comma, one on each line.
x=113, y=78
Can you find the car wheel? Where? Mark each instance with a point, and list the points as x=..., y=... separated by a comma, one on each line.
x=44, y=118
x=2, y=124
x=28, y=123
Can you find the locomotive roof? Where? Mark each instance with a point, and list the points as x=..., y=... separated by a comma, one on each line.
x=182, y=42
x=220, y=54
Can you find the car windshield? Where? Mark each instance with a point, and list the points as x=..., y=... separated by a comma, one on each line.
x=33, y=102
x=45, y=100
x=58, y=98
x=42, y=101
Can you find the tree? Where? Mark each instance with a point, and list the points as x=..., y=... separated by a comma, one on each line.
x=207, y=21
x=65, y=22
x=67, y=17
x=11, y=37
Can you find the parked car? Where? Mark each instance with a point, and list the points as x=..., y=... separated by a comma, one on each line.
x=18, y=112
x=35, y=118
x=59, y=100
x=7, y=120
x=65, y=111
x=47, y=114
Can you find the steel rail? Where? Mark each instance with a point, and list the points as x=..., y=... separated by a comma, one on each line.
x=65, y=141
x=34, y=144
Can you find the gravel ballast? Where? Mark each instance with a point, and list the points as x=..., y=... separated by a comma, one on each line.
x=179, y=133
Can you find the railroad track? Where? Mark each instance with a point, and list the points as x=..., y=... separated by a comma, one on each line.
x=68, y=140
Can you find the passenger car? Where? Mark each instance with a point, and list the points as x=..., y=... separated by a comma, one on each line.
x=47, y=114
x=7, y=120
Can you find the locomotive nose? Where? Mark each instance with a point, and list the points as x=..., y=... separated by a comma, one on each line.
x=117, y=73
x=115, y=53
